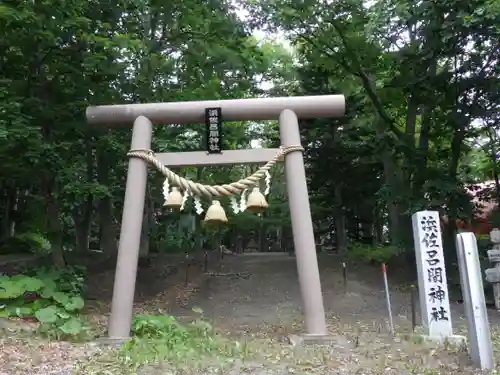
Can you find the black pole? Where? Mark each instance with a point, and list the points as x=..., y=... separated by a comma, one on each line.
x=187, y=269
x=413, y=302
x=344, y=276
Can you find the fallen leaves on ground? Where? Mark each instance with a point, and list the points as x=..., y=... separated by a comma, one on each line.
x=35, y=356
x=361, y=343
x=356, y=349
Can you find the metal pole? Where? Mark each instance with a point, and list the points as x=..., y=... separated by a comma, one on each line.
x=413, y=302
x=344, y=276
x=388, y=298
x=188, y=264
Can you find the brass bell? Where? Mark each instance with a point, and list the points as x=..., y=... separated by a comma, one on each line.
x=215, y=214
x=256, y=202
x=174, y=200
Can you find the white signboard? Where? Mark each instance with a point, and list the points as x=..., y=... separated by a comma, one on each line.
x=432, y=284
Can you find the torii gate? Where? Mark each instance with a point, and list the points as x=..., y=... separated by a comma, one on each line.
x=287, y=110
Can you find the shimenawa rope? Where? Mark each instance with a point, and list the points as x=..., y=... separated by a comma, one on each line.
x=198, y=189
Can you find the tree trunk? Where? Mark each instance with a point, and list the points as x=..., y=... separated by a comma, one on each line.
x=14, y=211
x=82, y=230
x=6, y=217
x=410, y=131
x=108, y=241
x=394, y=211
x=493, y=159
x=262, y=235
x=423, y=143
x=378, y=232
x=366, y=214
x=54, y=225
x=340, y=225
x=239, y=244
x=55, y=230
x=279, y=238
x=456, y=147
x=8, y=221
x=108, y=230
x=82, y=216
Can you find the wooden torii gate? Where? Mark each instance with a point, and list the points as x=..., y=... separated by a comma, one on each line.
x=287, y=110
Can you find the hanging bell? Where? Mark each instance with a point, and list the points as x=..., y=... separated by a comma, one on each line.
x=174, y=200
x=215, y=214
x=256, y=202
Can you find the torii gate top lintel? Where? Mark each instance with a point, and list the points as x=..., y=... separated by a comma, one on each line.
x=192, y=112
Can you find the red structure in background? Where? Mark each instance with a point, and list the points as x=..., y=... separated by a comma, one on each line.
x=482, y=224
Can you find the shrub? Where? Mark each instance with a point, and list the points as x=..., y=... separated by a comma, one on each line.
x=25, y=243
x=177, y=242
x=70, y=279
x=42, y=298
x=373, y=255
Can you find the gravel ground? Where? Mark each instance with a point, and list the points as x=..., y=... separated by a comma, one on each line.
x=267, y=292
x=268, y=304
x=256, y=298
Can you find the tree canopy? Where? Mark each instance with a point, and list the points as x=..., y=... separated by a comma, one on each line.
x=421, y=81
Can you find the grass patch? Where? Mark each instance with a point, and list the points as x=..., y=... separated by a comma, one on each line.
x=162, y=343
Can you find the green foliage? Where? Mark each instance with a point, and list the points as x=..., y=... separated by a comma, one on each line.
x=399, y=148
x=161, y=337
x=25, y=243
x=421, y=113
x=70, y=280
x=174, y=242
x=55, y=63
x=374, y=255
x=48, y=299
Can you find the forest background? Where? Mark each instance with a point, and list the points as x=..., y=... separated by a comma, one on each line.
x=421, y=82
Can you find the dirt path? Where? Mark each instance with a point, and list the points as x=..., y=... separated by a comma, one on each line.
x=271, y=294
x=269, y=301
x=238, y=302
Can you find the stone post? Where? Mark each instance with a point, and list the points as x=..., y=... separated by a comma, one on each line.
x=480, y=346
x=493, y=274
x=432, y=282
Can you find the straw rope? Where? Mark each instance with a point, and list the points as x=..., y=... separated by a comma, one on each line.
x=198, y=189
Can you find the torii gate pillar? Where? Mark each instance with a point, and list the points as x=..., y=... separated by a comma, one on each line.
x=302, y=227
x=287, y=110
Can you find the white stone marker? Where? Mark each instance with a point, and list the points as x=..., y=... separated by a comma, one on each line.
x=432, y=283
x=471, y=280
x=493, y=274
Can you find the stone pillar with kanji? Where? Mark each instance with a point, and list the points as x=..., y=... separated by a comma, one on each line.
x=493, y=274
x=432, y=282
